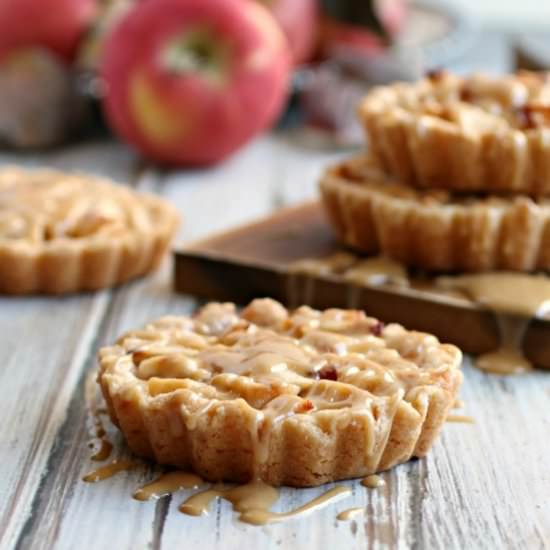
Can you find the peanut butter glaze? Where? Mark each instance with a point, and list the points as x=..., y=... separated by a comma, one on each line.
x=262, y=516
x=350, y=513
x=327, y=265
x=373, y=482
x=104, y=451
x=514, y=299
x=256, y=495
x=375, y=270
x=460, y=418
x=110, y=470
x=378, y=270
x=253, y=501
x=167, y=484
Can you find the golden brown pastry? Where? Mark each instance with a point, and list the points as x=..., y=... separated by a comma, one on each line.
x=62, y=232
x=479, y=133
x=295, y=398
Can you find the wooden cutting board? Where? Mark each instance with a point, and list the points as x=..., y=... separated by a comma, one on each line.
x=256, y=260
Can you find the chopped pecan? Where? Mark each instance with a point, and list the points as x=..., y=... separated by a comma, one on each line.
x=328, y=372
x=465, y=94
x=377, y=328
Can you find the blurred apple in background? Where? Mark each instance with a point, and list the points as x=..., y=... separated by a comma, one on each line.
x=299, y=21
x=108, y=14
x=53, y=24
x=40, y=105
x=363, y=25
x=188, y=82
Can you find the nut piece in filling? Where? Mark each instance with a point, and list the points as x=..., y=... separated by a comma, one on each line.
x=295, y=398
x=478, y=133
x=63, y=232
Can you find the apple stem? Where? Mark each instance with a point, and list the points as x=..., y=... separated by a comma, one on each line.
x=195, y=52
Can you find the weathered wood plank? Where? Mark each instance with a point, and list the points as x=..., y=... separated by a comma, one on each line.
x=41, y=359
x=488, y=484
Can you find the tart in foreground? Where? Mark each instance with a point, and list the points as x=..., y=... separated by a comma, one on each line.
x=478, y=133
x=295, y=398
x=63, y=232
x=435, y=229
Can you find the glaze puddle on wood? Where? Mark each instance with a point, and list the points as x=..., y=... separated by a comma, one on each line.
x=461, y=418
x=262, y=516
x=105, y=472
x=104, y=451
x=373, y=482
x=254, y=500
x=167, y=484
x=514, y=299
x=350, y=513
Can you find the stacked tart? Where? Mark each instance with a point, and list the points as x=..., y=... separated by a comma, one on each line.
x=457, y=177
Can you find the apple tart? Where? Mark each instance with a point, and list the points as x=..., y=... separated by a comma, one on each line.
x=479, y=133
x=294, y=398
x=435, y=229
x=62, y=232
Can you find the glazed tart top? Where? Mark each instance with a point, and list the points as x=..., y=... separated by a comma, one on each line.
x=476, y=104
x=279, y=362
x=39, y=208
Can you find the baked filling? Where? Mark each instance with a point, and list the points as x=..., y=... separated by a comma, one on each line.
x=296, y=398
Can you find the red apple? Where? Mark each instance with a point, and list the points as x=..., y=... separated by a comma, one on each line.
x=189, y=82
x=299, y=21
x=53, y=24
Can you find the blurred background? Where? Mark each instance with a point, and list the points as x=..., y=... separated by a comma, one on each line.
x=61, y=79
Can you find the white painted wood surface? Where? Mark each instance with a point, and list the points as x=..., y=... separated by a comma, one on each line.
x=484, y=486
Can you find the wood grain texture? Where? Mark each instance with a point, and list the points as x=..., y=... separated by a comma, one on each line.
x=485, y=485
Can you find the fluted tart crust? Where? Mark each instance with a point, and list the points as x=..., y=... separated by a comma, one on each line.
x=435, y=229
x=64, y=232
x=479, y=133
x=295, y=398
